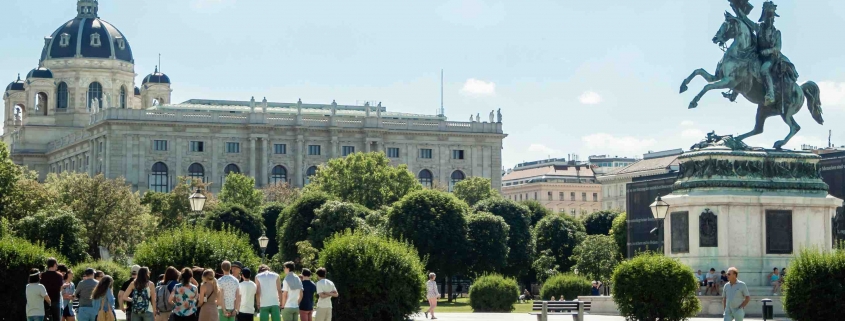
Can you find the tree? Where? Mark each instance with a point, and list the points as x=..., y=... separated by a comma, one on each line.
x=27, y=198
x=282, y=193
x=236, y=216
x=270, y=214
x=333, y=217
x=596, y=257
x=194, y=246
x=56, y=229
x=9, y=176
x=560, y=234
x=814, y=287
x=240, y=189
x=520, y=242
x=619, y=231
x=488, y=243
x=17, y=258
x=474, y=189
x=537, y=211
x=545, y=265
x=111, y=213
x=294, y=222
x=599, y=223
x=666, y=284
x=366, y=179
x=173, y=208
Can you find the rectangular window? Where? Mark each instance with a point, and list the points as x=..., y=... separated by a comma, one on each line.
x=100, y=147
x=458, y=154
x=346, y=150
x=550, y=196
x=233, y=147
x=425, y=153
x=583, y=197
x=197, y=146
x=572, y=198
x=560, y=195
x=572, y=211
x=393, y=152
x=280, y=149
x=314, y=150
x=160, y=145
x=595, y=197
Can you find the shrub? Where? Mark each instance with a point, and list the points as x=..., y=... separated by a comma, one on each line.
x=294, y=222
x=364, y=178
x=521, y=245
x=568, y=286
x=17, y=257
x=194, y=246
x=653, y=287
x=488, y=243
x=333, y=217
x=120, y=273
x=493, y=293
x=239, y=218
x=599, y=223
x=270, y=214
x=60, y=231
x=559, y=233
x=537, y=211
x=814, y=288
x=619, y=231
x=596, y=257
x=474, y=189
x=377, y=278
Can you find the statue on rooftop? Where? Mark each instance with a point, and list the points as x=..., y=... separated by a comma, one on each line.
x=470, y=118
x=478, y=117
x=499, y=115
x=491, y=116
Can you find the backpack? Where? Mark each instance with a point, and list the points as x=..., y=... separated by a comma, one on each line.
x=140, y=301
x=163, y=303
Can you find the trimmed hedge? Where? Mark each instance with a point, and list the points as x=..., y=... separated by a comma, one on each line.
x=814, y=287
x=292, y=225
x=601, y=222
x=568, y=286
x=333, y=217
x=619, y=231
x=493, y=293
x=17, y=257
x=270, y=214
x=378, y=278
x=194, y=246
x=653, y=287
x=120, y=273
x=237, y=216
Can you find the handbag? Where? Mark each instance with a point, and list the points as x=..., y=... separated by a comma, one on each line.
x=104, y=314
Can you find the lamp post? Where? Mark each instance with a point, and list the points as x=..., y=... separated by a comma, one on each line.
x=197, y=200
x=659, y=209
x=262, y=243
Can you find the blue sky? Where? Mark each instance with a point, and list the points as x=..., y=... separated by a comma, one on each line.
x=580, y=77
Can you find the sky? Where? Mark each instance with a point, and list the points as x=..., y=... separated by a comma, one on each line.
x=571, y=77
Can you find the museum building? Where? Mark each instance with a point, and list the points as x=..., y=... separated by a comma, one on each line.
x=80, y=110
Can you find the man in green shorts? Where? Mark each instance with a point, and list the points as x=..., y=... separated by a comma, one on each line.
x=268, y=290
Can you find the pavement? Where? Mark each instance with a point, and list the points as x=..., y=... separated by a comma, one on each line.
x=527, y=317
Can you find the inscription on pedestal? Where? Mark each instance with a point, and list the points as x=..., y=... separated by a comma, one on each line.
x=680, y=232
x=708, y=229
x=778, y=232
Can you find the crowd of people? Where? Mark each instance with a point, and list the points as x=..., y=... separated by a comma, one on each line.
x=713, y=282
x=194, y=294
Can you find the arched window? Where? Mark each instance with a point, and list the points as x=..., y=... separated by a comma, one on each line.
x=310, y=172
x=196, y=171
x=232, y=168
x=62, y=99
x=122, y=97
x=159, y=178
x=279, y=175
x=41, y=103
x=425, y=178
x=457, y=176
x=95, y=90
x=18, y=112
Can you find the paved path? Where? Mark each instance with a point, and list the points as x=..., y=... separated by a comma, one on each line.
x=527, y=317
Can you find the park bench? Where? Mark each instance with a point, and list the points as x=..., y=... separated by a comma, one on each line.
x=576, y=309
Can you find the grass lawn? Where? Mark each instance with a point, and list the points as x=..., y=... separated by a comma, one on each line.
x=461, y=305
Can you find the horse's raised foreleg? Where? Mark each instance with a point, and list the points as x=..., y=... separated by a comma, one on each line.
x=793, y=129
x=698, y=72
x=763, y=112
x=720, y=84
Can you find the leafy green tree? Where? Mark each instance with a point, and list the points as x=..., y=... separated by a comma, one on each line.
x=333, y=217
x=560, y=234
x=17, y=257
x=619, y=231
x=270, y=212
x=596, y=257
x=666, y=284
x=282, y=193
x=474, y=189
x=599, y=223
x=488, y=243
x=364, y=178
x=111, y=213
x=537, y=210
x=236, y=216
x=240, y=189
x=545, y=265
x=173, y=208
x=814, y=287
x=294, y=222
x=10, y=173
x=194, y=246
x=307, y=255
x=520, y=242
x=56, y=229
x=27, y=198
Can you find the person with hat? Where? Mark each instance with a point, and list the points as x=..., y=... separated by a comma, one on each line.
x=127, y=306
x=86, y=312
x=237, y=269
x=36, y=296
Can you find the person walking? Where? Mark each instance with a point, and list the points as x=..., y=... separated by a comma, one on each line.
x=208, y=297
x=126, y=307
x=142, y=294
x=229, y=291
x=68, y=289
x=735, y=297
x=326, y=291
x=102, y=299
x=237, y=270
x=36, y=296
x=268, y=291
x=306, y=305
x=83, y=294
x=291, y=293
x=184, y=298
x=53, y=281
x=431, y=294
x=247, y=291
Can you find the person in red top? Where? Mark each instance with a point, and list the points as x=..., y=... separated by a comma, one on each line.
x=53, y=281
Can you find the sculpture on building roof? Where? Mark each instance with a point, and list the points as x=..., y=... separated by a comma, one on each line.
x=499, y=115
x=299, y=107
x=478, y=117
x=491, y=116
x=471, y=119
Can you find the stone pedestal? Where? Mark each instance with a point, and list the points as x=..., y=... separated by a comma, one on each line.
x=751, y=209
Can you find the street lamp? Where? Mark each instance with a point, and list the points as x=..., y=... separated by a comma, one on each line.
x=262, y=243
x=659, y=209
x=197, y=201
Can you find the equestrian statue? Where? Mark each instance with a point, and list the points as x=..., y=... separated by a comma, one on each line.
x=754, y=66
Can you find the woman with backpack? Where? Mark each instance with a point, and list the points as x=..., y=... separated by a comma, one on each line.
x=184, y=298
x=142, y=294
x=163, y=305
x=102, y=299
x=208, y=297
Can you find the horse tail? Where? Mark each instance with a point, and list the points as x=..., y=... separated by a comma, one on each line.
x=814, y=103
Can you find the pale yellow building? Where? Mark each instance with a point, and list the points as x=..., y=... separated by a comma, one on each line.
x=563, y=187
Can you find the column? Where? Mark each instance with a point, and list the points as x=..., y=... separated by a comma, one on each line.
x=333, y=152
x=300, y=178
x=265, y=151
x=178, y=149
x=252, y=171
x=106, y=154
x=91, y=149
x=214, y=148
x=142, y=164
x=367, y=143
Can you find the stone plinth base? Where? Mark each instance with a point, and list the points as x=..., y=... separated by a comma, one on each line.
x=711, y=306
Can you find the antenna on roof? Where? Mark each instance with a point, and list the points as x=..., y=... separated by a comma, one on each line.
x=829, y=133
x=442, y=110
x=159, y=62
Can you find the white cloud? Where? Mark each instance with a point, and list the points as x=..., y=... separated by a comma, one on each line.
x=687, y=123
x=832, y=93
x=693, y=133
x=479, y=87
x=590, y=98
x=540, y=148
x=607, y=143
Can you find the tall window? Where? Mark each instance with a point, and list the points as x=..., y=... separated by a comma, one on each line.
x=160, y=145
x=280, y=149
x=314, y=150
x=457, y=154
x=95, y=90
x=279, y=175
x=62, y=99
x=196, y=171
x=122, y=98
x=560, y=195
x=583, y=197
x=348, y=150
x=458, y=176
x=197, y=146
x=595, y=197
x=550, y=196
x=310, y=172
x=425, y=178
x=233, y=148
x=572, y=197
x=425, y=153
x=159, y=181
x=231, y=168
x=393, y=152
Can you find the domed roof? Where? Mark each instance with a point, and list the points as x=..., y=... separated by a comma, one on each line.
x=156, y=78
x=40, y=72
x=87, y=36
x=15, y=85
x=137, y=91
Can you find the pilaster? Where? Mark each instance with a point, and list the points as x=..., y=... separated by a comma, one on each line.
x=298, y=170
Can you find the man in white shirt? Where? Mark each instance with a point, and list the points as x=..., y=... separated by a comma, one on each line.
x=229, y=299
x=735, y=297
x=247, y=289
x=711, y=282
x=326, y=290
x=268, y=290
x=291, y=293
